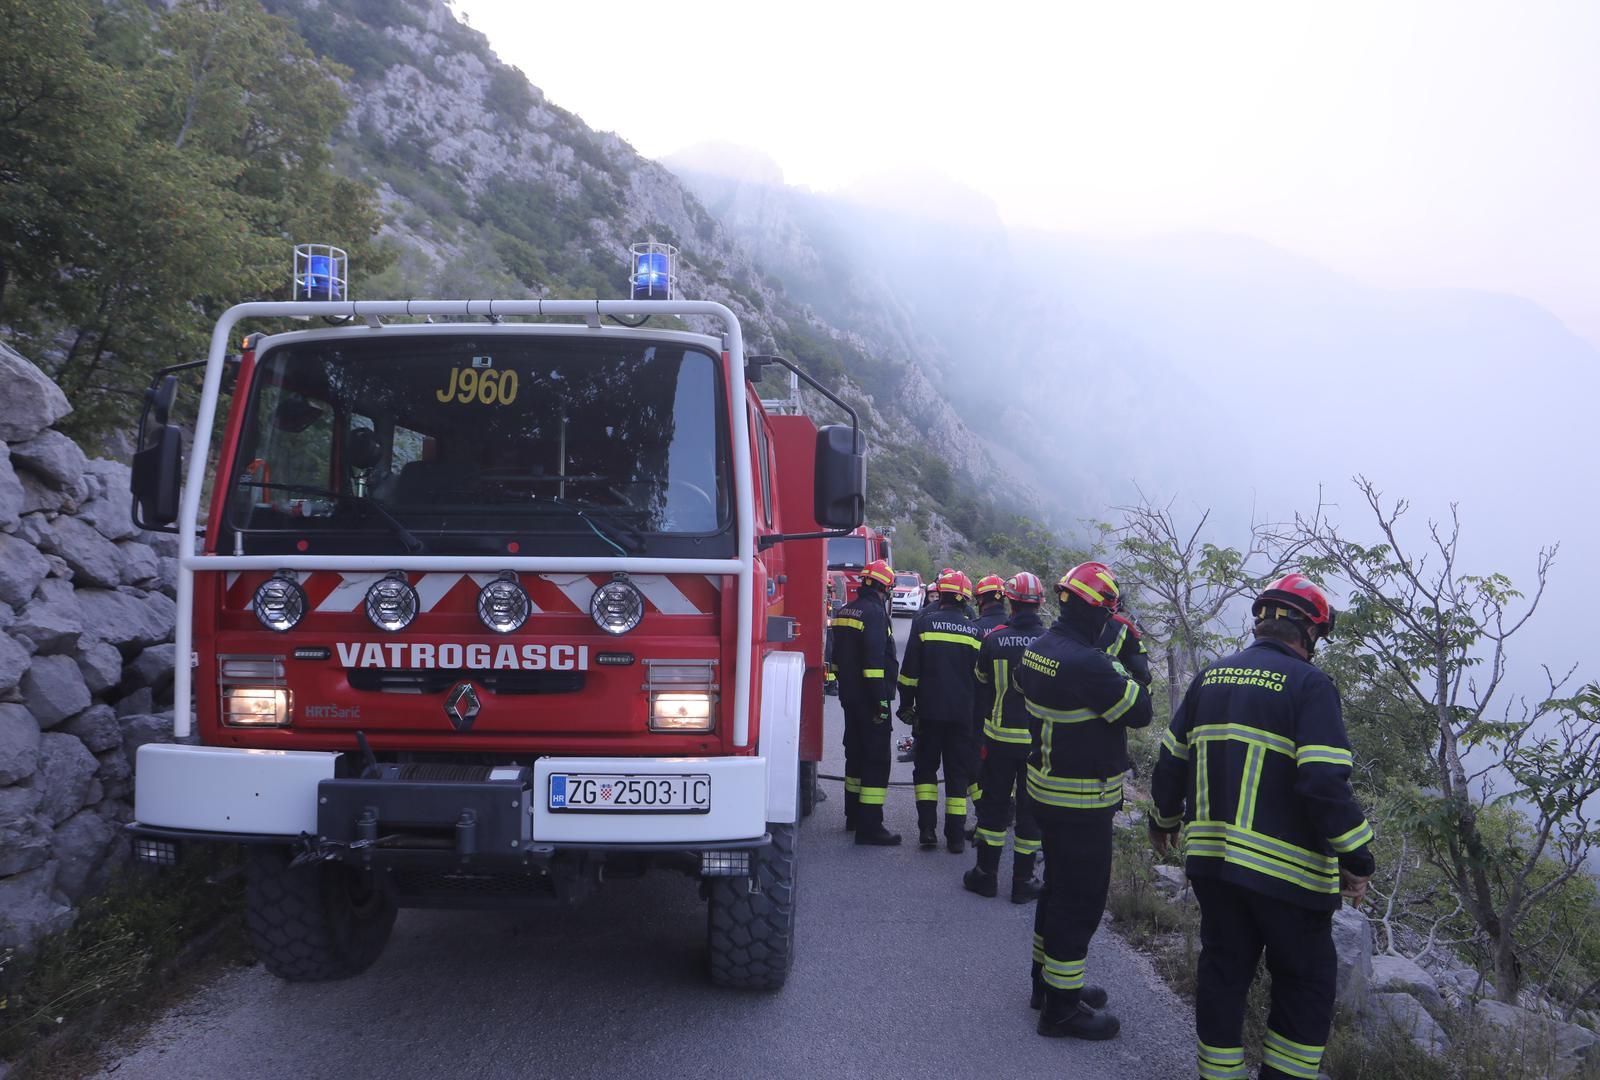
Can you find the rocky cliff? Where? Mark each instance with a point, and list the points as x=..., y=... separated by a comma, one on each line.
x=86, y=622
x=489, y=187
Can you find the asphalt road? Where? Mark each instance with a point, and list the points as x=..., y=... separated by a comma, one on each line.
x=899, y=973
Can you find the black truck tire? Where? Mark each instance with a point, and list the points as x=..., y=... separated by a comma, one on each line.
x=808, y=788
x=751, y=929
x=316, y=922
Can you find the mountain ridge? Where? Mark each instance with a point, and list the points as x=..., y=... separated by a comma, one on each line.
x=488, y=187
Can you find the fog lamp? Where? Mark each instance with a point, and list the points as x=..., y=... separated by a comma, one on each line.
x=155, y=852
x=617, y=606
x=503, y=605
x=680, y=710
x=280, y=602
x=392, y=602
x=255, y=706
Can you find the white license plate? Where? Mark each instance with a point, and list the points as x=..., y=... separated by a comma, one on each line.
x=660, y=793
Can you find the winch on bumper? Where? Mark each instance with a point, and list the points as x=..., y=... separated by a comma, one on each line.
x=446, y=817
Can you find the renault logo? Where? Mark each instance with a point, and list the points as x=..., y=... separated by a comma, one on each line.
x=462, y=706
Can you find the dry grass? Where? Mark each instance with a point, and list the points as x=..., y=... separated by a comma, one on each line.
x=132, y=950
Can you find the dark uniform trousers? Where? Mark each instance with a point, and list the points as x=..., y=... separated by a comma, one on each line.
x=1077, y=876
x=953, y=743
x=867, y=739
x=1236, y=925
x=1003, y=772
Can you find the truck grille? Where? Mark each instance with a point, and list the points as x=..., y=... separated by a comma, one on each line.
x=438, y=680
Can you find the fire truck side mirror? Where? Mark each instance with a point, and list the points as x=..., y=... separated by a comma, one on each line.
x=158, y=463
x=841, y=477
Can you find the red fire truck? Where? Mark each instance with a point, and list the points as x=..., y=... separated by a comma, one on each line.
x=483, y=610
x=854, y=550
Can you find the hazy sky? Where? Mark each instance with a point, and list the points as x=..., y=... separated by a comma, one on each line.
x=1426, y=142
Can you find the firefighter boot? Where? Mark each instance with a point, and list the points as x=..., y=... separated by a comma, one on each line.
x=852, y=807
x=955, y=833
x=1066, y=1015
x=927, y=825
x=870, y=830
x=975, y=880
x=1025, y=890
x=1093, y=996
x=983, y=879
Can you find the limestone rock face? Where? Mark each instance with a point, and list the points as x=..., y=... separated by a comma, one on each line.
x=29, y=907
x=53, y=689
x=53, y=456
x=92, y=557
x=128, y=617
x=22, y=567
x=1402, y=1012
x=1352, y=941
x=31, y=402
x=86, y=622
x=65, y=777
x=1400, y=975
x=19, y=744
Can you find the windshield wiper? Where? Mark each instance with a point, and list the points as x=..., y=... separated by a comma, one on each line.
x=407, y=538
x=592, y=516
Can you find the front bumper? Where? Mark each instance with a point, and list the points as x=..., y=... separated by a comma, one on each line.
x=223, y=793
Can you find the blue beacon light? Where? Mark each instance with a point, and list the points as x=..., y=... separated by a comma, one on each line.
x=321, y=272
x=320, y=281
x=651, y=276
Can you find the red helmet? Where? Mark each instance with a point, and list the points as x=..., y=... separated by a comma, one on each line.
x=1025, y=588
x=993, y=583
x=878, y=572
x=1298, y=597
x=1092, y=583
x=955, y=583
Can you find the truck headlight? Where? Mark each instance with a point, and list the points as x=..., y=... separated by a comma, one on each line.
x=680, y=710
x=617, y=606
x=503, y=605
x=280, y=602
x=255, y=706
x=392, y=602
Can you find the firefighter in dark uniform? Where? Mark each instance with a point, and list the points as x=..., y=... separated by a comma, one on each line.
x=991, y=603
x=991, y=591
x=863, y=657
x=936, y=693
x=1123, y=642
x=1007, y=739
x=1081, y=703
x=1257, y=764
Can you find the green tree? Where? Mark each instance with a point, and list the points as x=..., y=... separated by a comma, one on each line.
x=1185, y=585
x=182, y=156
x=1440, y=636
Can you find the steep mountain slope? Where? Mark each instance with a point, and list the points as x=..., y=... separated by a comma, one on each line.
x=1232, y=374
x=489, y=188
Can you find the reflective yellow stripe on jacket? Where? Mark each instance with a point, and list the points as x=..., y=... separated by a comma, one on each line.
x=994, y=724
x=954, y=639
x=1264, y=854
x=1072, y=792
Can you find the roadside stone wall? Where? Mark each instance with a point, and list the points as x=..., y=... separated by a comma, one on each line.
x=86, y=658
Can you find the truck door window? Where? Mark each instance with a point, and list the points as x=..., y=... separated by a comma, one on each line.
x=296, y=444
x=764, y=452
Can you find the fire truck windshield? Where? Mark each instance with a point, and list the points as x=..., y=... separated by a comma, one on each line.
x=847, y=552
x=531, y=444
